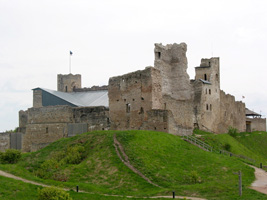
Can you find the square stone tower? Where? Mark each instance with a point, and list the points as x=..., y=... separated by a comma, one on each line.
x=68, y=82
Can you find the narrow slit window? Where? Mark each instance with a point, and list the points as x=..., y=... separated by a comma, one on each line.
x=210, y=107
x=46, y=130
x=209, y=91
x=205, y=77
x=128, y=108
x=158, y=54
x=207, y=106
x=66, y=88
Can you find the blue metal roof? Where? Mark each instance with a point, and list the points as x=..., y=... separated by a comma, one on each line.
x=80, y=99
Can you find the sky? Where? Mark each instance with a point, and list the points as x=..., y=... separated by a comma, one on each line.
x=113, y=37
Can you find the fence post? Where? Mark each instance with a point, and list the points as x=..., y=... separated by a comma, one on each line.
x=77, y=188
x=173, y=194
x=261, y=165
x=240, y=183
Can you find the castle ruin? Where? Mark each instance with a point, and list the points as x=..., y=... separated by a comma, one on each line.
x=160, y=98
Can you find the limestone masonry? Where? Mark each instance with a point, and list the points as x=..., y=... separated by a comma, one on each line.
x=160, y=98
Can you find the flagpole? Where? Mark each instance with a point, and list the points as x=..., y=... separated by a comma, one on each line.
x=70, y=63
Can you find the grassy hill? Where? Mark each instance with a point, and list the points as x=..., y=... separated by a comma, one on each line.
x=165, y=159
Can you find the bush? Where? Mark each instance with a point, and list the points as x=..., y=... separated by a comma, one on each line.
x=227, y=147
x=52, y=193
x=232, y=131
x=75, y=155
x=10, y=156
x=194, y=177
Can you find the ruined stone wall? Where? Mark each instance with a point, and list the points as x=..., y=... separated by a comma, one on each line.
x=182, y=111
x=233, y=113
x=69, y=82
x=157, y=120
x=172, y=62
x=131, y=96
x=4, y=141
x=48, y=124
x=40, y=135
x=257, y=124
x=97, y=118
x=37, y=98
x=23, y=120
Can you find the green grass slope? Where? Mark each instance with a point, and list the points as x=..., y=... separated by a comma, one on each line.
x=165, y=159
x=251, y=145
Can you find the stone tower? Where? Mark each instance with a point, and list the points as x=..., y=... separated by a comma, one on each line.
x=68, y=82
x=172, y=62
x=209, y=70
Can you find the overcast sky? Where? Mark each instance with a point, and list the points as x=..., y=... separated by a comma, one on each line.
x=113, y=37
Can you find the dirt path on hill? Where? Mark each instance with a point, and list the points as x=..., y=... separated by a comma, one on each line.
x=124, y=158
x=5, y=174
x=260, y=184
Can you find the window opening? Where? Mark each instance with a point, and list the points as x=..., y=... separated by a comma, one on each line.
x=158, y=54
x=46, y=130
x=128, y=107
x=66, y=88
x=205, y=77
x=209, y=91
x=207, y=106
x=210, y=107
x=141, y=110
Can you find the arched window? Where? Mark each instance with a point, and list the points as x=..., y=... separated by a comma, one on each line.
x=66, y=88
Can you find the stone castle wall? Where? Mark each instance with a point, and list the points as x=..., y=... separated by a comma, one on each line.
x=131, y=96
x=4, y=141
x=171, y=61
x=233, y=113
x=257, y=124
x=48, y=124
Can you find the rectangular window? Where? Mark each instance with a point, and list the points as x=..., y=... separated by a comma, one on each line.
x=128, y=108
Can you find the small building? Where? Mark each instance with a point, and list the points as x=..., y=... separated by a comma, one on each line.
x=254, y=121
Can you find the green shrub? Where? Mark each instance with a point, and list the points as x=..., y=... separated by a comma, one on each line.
x=10, y=156
x=232, y=131
x=227, y=147
x=58, y=156
x=194, y=177
x=74, y=155
x=52, y=193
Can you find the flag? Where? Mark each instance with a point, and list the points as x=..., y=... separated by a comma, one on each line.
x=71, y=53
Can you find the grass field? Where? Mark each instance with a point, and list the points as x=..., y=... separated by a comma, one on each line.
x=167, y=160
